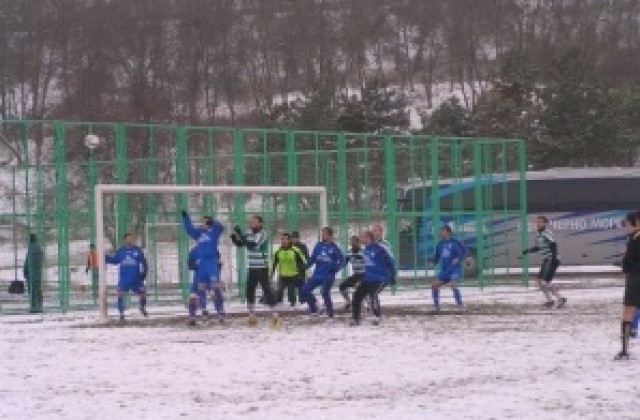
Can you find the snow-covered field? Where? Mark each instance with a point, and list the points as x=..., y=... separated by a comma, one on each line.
x=504, y=358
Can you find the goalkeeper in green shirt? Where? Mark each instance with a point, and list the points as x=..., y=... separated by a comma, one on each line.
x=290, y=262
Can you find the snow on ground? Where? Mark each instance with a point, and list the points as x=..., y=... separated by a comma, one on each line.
x=504, y=358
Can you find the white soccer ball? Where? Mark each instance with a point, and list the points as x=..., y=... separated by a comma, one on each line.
x=92, y=141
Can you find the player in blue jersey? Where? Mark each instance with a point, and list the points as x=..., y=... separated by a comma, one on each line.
x=450, y=254
x=133, y=271
x=328, y=261
x=207, y=273
x=379, y=268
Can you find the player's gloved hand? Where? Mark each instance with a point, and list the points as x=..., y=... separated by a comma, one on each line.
x=525, y=252
x=87, y=270
x=184, y=214
x=237, y=229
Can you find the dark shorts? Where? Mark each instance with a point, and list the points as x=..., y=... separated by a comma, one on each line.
x=548, y=270
x=351, y=281
x=632, y=290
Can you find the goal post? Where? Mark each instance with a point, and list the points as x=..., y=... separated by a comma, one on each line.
x=102, y=189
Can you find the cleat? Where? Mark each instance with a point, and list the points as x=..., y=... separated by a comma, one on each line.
x=121, y=318
x=276, y=323
x=354, y=323
x=144, y=312
x=621, y=356
x=252, y=321
x=548, y=304
x=561, y=303
x=347, y=307
x=375, y=322
x=192, y=323
x=205, y=313
x=221, y=319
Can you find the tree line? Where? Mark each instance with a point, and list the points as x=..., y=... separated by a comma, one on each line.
x=563, y=74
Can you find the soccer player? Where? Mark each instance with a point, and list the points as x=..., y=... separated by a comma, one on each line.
x=631, y=270
x=378, y=235
x=356, y=258
x=255, y=241
x=450, y=254
x=289, y=261
x=378, y=269
x=328, y=261
x=207, y=273
x=133, y=271
x=547, y=247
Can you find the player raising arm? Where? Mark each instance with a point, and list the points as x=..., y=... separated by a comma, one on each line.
x=207, y=269
x=133, y=271
x=255, y=243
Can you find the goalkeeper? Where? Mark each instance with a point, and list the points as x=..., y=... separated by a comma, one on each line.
x=207, y=273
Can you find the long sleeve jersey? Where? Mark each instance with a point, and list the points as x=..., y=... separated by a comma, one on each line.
x=133, y=264
x=546, y=245
x=631, y=259
x=290, y=261
x=255, y=241
x=449, y=253
x=206, y=249
x=379, y=265
x=328, y=260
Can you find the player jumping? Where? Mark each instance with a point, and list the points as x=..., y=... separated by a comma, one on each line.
x=379, y=267
x=449, y=253
x=207, y=273
x=631, y=270
x=356, y=258
x=133, y=271
x=547, y=247
x=328, y=261
x=255, y=241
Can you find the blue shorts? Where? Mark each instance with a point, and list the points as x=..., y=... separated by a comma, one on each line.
x=203, y=277
x=447, y=276
x=135, y=286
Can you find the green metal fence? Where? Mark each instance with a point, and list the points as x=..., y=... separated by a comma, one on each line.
x=409, y=184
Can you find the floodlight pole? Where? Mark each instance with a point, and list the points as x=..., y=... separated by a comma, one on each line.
x=101, y=189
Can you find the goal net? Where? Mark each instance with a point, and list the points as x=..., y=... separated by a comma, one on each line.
x=152, y=214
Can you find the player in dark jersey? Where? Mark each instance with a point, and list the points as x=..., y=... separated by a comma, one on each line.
x=631, y=270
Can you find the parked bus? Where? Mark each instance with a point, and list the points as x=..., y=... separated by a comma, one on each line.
x=585, y=207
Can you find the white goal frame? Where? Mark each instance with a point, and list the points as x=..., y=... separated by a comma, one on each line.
x=102, y=189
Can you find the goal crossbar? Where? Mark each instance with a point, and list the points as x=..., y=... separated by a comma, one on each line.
x=102, y=189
